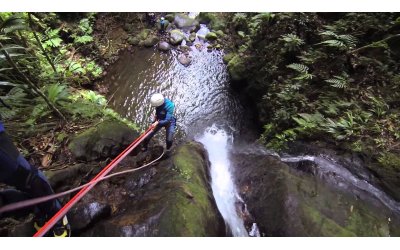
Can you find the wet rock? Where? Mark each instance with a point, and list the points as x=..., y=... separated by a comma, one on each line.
x=183, y=21
x=175, y=201
x=237, y=68
x=215, y=21
x=151, y=40
x=105, y=140
x=289, y=202
x=211, y=36
x=82, y=215
x=228, y=57
x=176, y=37
x=164, y=46
x=184, y=59
x=192, y=37
x=184, y=48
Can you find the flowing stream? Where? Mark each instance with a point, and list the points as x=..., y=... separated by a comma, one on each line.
x=206, y=109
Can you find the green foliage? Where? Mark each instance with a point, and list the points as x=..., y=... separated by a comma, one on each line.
x=342, y=42
x=389, y=160
x=52, y=39
x=292, y=42
x=84, y=35
x=302, y=70
x=338, y=81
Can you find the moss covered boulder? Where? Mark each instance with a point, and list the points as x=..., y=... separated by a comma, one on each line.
x=151, y=40
x=211, y=36
x=184, y=21
x=237, y=68
x=176, y=37
x=106, y=139
x=288, y=201
x=173, y=198
x=215, y=21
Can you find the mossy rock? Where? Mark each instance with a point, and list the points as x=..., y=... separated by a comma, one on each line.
x=211, y=36
x=151, y=41
x=170, y=17
x=176, y=201
x=176, y=37
x=105, y=140
x=214, y=20
x=237, y=68
x=192, y=37
x=183, y=21
x=143, y=34
x=219, y=33
x=133, y=41
x=286, y=201
x=228, y=57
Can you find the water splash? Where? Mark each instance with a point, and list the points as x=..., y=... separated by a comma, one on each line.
x=216, y=142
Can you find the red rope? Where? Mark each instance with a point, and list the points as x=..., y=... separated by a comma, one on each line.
x=83, y=191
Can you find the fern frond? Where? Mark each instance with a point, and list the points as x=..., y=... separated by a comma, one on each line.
x=338, y=82
x=298, y=67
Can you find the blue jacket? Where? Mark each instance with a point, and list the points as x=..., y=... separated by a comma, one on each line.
x=1, y=127
x=165, y=113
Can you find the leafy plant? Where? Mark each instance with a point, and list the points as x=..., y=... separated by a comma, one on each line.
x=343, y=42
x=292, y=42
x=302, y=70
x=340, y=82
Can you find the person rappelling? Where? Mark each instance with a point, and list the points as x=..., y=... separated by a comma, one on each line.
x=164, y=117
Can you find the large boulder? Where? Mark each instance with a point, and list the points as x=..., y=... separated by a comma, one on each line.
x=176, y=37
x=211, y=36
x=151, y=40
x=105, y=140
x=287, y=201
x=184, y=59
x=164, y=46
x=183, y=21
x=173, y=198
x=215, y=21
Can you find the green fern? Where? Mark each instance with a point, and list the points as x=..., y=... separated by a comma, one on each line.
x=83, y=39
x=338, y=41
x=292, y=42
x=301, y=68
x=339, y=82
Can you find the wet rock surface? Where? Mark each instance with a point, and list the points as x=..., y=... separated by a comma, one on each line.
x=171, y=199
x=292, y=202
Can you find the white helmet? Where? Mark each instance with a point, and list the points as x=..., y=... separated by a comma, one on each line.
x=157, y=100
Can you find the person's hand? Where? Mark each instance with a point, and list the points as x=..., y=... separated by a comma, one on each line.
x=154, y=124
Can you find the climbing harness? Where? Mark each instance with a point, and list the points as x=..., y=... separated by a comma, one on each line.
x=49, y=224
x=87, y=187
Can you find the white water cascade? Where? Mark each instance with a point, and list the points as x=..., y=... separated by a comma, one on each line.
x=216, y=141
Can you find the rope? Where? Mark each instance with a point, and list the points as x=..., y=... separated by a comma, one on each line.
x=49, y=224
x=31, y=202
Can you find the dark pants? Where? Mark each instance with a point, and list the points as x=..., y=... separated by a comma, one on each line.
x=169, y=134
x=16, y=171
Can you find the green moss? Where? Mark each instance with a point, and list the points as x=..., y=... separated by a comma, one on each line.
x=191, y=211
x=237, y=68
x=324, y=226
x=390, y=161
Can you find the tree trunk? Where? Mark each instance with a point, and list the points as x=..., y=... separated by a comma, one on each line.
x=34, y=87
